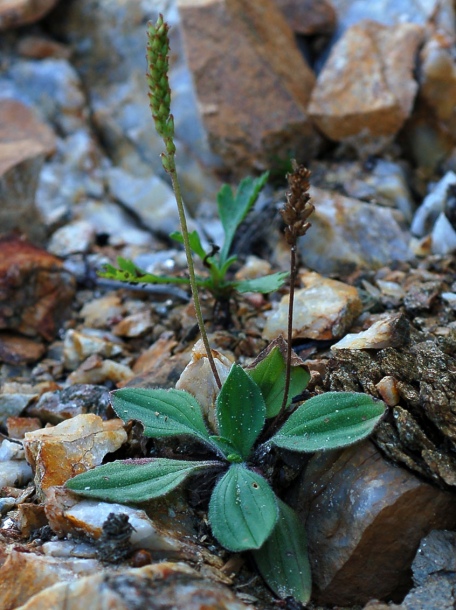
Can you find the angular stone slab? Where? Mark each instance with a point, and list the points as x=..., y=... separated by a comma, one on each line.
x=252, y=83
x=365, y=520
x=366, y=89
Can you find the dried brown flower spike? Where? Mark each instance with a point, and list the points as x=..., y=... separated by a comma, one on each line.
x=298, y=207
x=295, y=213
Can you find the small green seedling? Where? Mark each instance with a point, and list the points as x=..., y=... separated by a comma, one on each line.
x=244, y=512
x=232, y=209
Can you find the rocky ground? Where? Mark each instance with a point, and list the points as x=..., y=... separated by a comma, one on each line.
x=364, y=93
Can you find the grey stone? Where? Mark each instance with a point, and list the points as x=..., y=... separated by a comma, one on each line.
x=347, y=234
x=53, y=87
x=150, y=198
x=436, y=553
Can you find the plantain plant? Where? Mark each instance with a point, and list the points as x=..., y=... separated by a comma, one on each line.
x=254, y=411
x=244, y=512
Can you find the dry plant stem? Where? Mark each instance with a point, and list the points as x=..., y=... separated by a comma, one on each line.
x=293, y=272
x=191, y=268
x=295, y=213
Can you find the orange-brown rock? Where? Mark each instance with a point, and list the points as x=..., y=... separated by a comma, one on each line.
x=252, y=83
x=366, y=89
x=24, y=143
x=24, y=574
x=15, y=349
x=365, y=520
x=35, y=290
x=309, y=17
x=18, y=426
x=438, y=81
x=74, y=446
x=14, y=13
x=39, y=47
x=323, y=309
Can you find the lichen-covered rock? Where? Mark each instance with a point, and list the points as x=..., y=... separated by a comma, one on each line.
x=422, y=431
x=56, y=406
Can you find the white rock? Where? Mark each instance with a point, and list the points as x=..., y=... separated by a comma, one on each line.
x=111, y=219
x=387, y=388
x=254, y=267
x=73, y=238
x=77, y=346
x=388, y=332
x=348, y=234
x=197, y=379
x=134, y=325
x=69, y=548
x=432, y=206
x=160, y=585
x=88, y=516
x=71, y=447
x=15, y=473
x=11, y=451
x=443, y=236
x=24, y=574
x=450, y=298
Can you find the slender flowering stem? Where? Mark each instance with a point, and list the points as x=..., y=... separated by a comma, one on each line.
x=160, y=103
x=295, y=213
x=191, y=270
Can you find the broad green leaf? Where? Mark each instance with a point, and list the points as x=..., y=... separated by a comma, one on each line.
x=269, y=375
x=134, y=480
x=195, y=242
x=240, y=410
x=242, y=510
x=283, y=561
x=161, y=412
x=233, y=208
x=268, y=283
x=329, y=421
